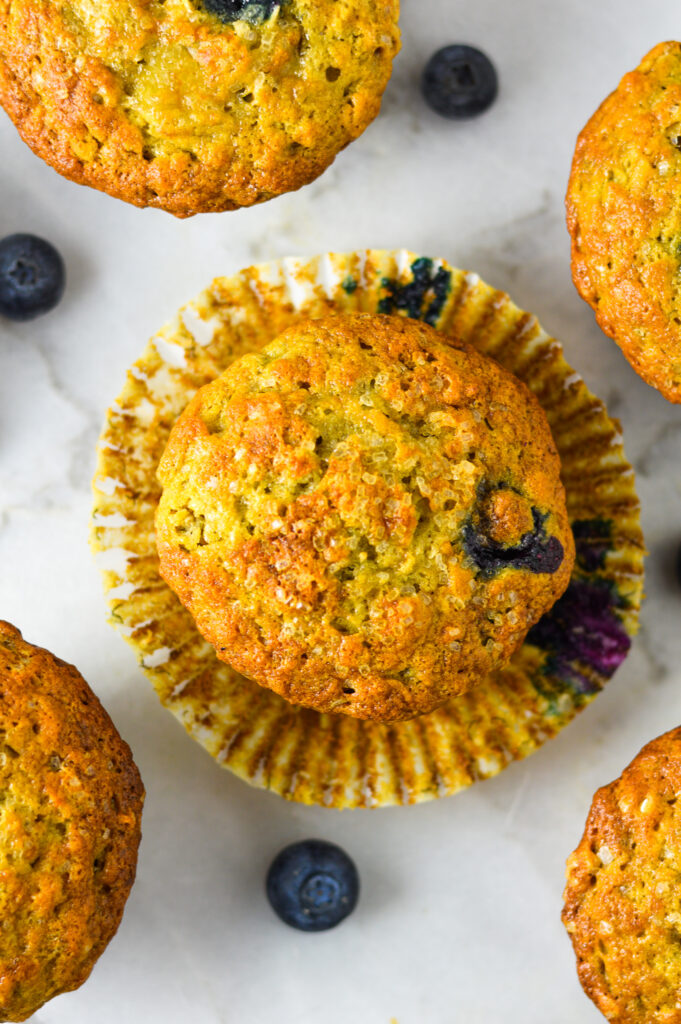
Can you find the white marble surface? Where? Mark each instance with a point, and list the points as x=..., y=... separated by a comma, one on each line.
x=459, y=917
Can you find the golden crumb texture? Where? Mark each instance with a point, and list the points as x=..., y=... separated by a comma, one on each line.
x=624, y=216
x=70, y=809
x=161, y=103
x=364, y=517
x=623, y=899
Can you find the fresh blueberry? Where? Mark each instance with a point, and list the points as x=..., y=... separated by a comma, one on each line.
x=459, y=81
x=32, y=277
x=312, y=885
x=253, y=11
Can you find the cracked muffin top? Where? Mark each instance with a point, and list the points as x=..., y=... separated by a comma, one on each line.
x=69, y=826
x=194, y=105
x=364, y=517
x=624, y=216
x=622, y=900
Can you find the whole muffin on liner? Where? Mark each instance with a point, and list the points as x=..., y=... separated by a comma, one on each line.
x=624, y=216
x=333, y=759
x=622, y=899
x=194, y=105
x=69, y=826
x=363, y=517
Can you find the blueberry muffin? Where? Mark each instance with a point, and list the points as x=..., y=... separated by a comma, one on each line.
x=69, y=826
x=624, y=216
x=194, y=105
x=364, y=517
x=623, y=901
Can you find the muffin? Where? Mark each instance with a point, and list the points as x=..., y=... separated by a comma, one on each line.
x=194, y=105
x=624, y=216
x=622, y=901
x=363, y=517
x=69, y=826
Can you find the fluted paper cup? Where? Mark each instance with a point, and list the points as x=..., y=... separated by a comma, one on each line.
x=334, y=760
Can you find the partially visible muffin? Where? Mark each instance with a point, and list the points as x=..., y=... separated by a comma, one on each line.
x=624, y=216
x=69, y=826
x=364, y=517
x=194, y=105
x=623, y=898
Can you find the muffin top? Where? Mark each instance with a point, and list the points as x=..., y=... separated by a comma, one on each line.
x=622, y=900
x=624, y=216
x=194, y=105
x=364, y=517
x=69, y=826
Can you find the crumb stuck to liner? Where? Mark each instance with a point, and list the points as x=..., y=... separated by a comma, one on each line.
x=334, y=760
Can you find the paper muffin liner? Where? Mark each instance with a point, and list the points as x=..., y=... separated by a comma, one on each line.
x=335, y=760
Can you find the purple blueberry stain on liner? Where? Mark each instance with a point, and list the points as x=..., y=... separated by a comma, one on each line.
x=593, y=540
x=583, y=628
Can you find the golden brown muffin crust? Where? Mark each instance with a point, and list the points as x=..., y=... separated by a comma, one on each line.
x=161, y=103
x=341, y=513
x=623, y=899
x=624, y=216
x=70, y=809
